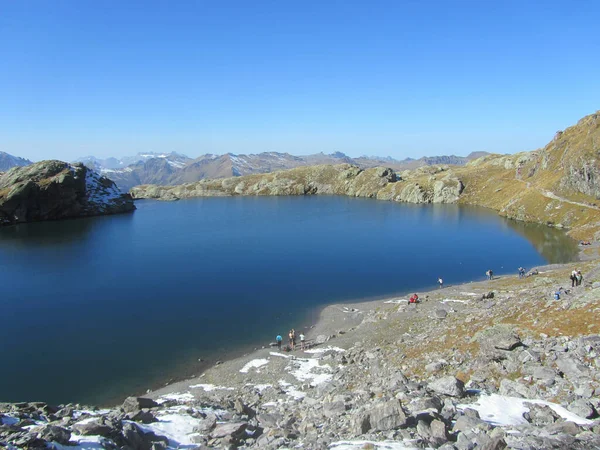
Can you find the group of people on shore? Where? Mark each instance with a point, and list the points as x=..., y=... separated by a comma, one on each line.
x=291, y=340
x=576, y=278
x=489, y=274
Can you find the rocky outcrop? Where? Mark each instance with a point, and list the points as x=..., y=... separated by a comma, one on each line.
x=344, y=179
x=51, y=190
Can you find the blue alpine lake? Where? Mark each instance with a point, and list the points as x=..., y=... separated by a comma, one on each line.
x=95, y=309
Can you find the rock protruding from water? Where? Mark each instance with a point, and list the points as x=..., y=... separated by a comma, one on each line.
x=52, y=190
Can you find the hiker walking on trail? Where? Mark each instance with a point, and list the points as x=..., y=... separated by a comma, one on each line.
x=578, y=278
x=573, y=278
x=441, y=282
x=278, y=339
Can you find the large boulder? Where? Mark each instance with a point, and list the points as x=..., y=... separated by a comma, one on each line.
x=387, y=416
x=135, y=404
x=450, y=385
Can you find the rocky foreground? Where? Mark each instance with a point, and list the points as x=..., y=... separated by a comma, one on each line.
x=491, y=365
x=52, y=190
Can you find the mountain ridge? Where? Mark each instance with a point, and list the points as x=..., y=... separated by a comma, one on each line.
x=209, y=166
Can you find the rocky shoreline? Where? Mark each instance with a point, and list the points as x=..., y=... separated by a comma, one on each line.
x=494, y=364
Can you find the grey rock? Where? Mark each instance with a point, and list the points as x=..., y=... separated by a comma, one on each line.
x=234, y=429
x=361, y=424
x=467, y=423
x=571, y=368
x=134, y=404
x=441, y=313
x=499, y=337
x=514, y=389
x=582, y=408
x=450, y=385
x=422, y=404
x=387, y=416
x=94, y=427
x=564, y=427
x=144, y=417
x=497, y=443
x=543, y=373
x=133, y=436
x=540, y=415
x=333, y=409
x=269, y=420
x=438, y=430
x=206, y=424
x=53, y=433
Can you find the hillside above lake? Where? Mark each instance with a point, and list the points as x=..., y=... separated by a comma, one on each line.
x=557, y=185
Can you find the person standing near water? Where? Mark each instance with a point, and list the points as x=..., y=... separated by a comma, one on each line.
x=292, y=338
x=441, y=282
x=278, y=339
x=302, y=337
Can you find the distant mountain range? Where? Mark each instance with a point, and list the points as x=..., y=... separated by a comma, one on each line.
x=9, y=161
x=174, y=168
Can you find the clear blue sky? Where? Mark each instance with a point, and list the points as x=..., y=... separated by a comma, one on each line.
x=398, y=78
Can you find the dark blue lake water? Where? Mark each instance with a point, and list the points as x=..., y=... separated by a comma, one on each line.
x=97, y=309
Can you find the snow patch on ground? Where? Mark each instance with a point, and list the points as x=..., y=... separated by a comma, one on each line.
x=178, y=396
x=291, y=390
x=81, y=443
x=382, y=445
x=396, y=301
x=100, y=412
x=452, y=300
x=508, y=411
x=211, y=387
x=326, y=349
x=262, y=387
x=471, y=294
x=309, y=370
x=178, y=428
x=280, y=354
x=255, y=363
x=97, y=193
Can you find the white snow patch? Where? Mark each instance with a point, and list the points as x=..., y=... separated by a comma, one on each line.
x=396, y=301
x=262, y=387
x=178, y=396
x=269, y=404
x=177, y=165
x=326, y=349
x=472, y=294
x=178, y=428
x=291, y=390
x=97, y=193
x=309, y=370
x=280, y=354
x=211, y=387
x=452, y=300
x=381, y=445
x=100, y=412
x=256, y=363
x=81, y=443
x=506, y=411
